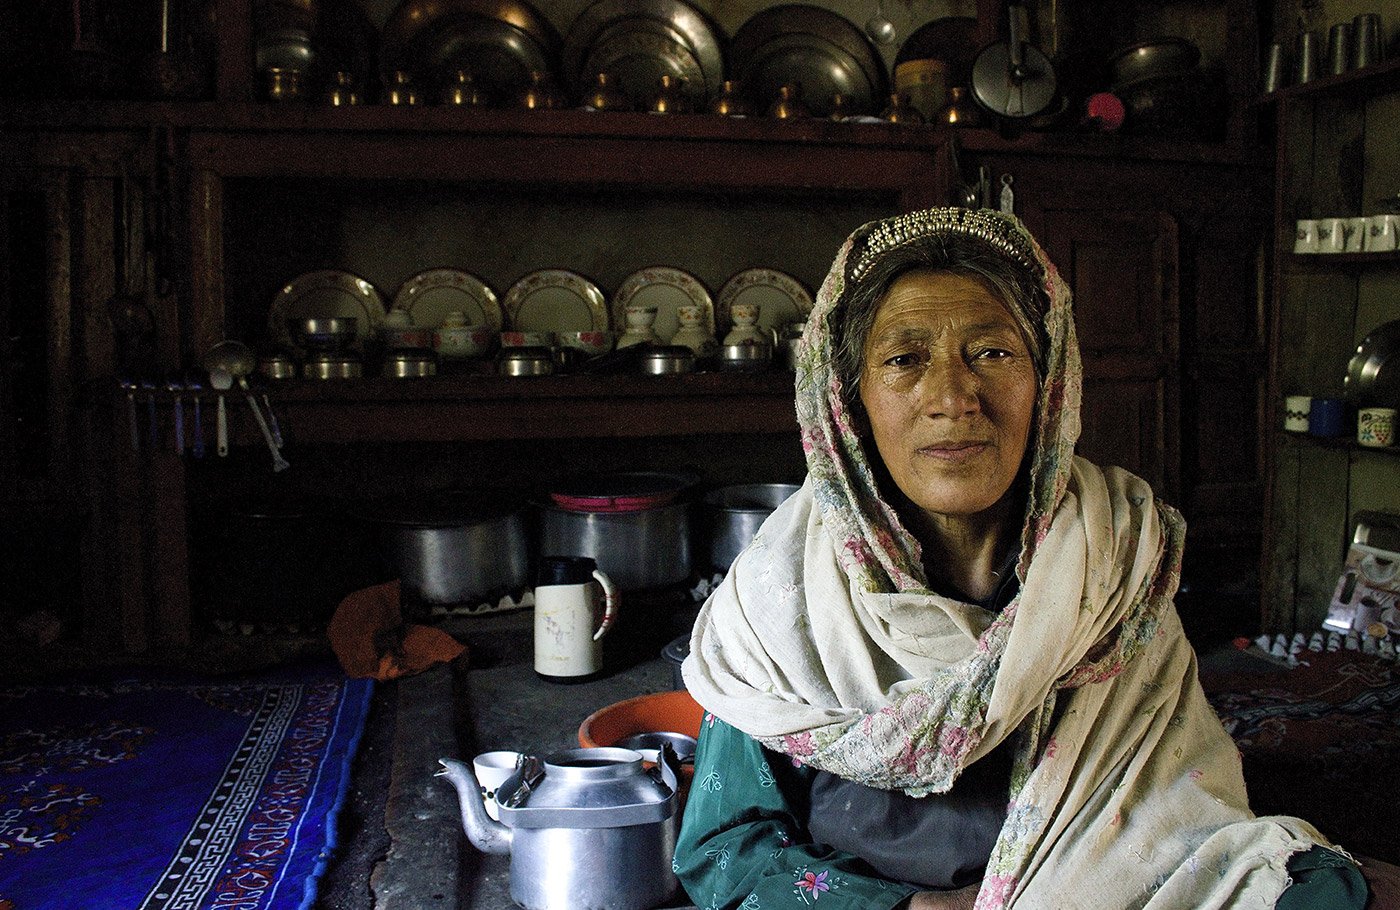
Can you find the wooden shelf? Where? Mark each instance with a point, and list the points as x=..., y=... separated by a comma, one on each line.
x=428, y=120
x=1377, y=79
x=454, y=408
x=1336, y=443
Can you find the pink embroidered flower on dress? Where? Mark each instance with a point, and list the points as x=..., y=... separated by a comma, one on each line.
x=813, y=884
x=995, y=891
x=799, y=745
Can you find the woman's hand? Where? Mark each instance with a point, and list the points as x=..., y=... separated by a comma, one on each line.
x=961, y=899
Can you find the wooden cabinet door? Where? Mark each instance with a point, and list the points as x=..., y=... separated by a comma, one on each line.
x=1121, y=266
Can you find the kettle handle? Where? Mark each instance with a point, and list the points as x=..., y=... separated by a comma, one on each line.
x=611, y=598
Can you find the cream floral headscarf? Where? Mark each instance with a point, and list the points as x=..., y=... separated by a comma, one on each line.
x=825, y=643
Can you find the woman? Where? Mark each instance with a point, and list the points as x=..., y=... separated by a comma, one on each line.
x=948, y=669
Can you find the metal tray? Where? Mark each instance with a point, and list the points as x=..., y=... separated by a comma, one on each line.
x=500, y=42
x=609, y=21
x=823, y=39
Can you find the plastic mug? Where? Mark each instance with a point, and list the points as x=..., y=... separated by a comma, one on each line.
x=1354, y=230
x=1305, y=240
x=1325, y=417
x=1331, y=235
x=1381, y=233
x=1375, y=427
x=1295, y=413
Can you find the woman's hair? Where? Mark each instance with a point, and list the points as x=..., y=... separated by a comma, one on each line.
x=1018, y=287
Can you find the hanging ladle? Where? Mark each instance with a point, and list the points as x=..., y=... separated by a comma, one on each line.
x=229, y=362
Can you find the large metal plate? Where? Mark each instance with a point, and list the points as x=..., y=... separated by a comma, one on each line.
x=824, y=29
x=1373, y=375
x=636, y=53
x=699, y=36
x=820, y=67
x=501, y=44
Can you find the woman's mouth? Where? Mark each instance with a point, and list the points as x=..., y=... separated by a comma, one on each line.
x=955, y=452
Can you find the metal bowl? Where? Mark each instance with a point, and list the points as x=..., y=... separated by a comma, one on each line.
x=525, y=362
x=332, y=365
x=667, y=358
x=324, y=333
x=649, y=744
x=1159, y=57
x=409, y=364
x=743, y=357
x=277, y=366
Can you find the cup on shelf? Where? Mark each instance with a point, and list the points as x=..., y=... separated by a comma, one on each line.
x=1275, y=69
x=1305, y=240
x=1354, y=232
x=1331, y=235
x=1366, y=40
x=1375, y=427
x=518, y=339
x=1339, y=48
x=1325, y=417
x=1305, y=59
x=1381, y=231
x=1295, y=413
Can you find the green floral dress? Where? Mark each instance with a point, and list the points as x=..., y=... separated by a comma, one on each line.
x=744, y=843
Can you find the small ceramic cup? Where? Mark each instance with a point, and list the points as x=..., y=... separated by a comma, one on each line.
x=1354, y=231
x=1381, y=233
x=1331, y=235
x=1305, y=239
x=493, y=769
x=459, y=342
x=590, y=342
x=1295, y=413
x=1375, y=427
x=527, y=339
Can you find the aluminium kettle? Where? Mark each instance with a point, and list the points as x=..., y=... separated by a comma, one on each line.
x=586, y=829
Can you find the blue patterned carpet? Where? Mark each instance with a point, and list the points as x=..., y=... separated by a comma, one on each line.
x=174, y=794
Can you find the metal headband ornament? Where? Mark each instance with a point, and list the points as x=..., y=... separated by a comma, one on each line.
x=991, y=228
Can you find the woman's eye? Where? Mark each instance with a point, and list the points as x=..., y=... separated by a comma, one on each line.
x=992, y=354
x=902, y=360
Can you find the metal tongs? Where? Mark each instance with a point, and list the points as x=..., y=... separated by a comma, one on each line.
x=529, y=772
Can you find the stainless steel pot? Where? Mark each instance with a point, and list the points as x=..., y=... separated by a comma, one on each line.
x=456, y=548
x=732, y=516
x=646, y=548
x=585, y=828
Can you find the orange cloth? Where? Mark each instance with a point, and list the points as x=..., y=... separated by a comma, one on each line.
x=370, y=638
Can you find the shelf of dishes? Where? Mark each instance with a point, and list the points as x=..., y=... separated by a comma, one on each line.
x=327, y=323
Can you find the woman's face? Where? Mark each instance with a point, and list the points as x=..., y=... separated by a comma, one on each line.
x=949, y=387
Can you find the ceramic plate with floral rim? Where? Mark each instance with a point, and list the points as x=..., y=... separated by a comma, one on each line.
x=324, y=294
x=430, y=295
x=556, y=300
x=781, y=299
x=668, y=290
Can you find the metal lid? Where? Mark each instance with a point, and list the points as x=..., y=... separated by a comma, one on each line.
x=599, y=787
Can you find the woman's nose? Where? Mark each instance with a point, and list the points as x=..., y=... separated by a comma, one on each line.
x=950, y=388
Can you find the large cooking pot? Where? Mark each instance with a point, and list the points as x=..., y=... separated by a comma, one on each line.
x=638, y=549
x=585, y=828
x=732, y=516
x=454, y=548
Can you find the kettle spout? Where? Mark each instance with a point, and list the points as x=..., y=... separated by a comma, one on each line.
x=486, y=834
